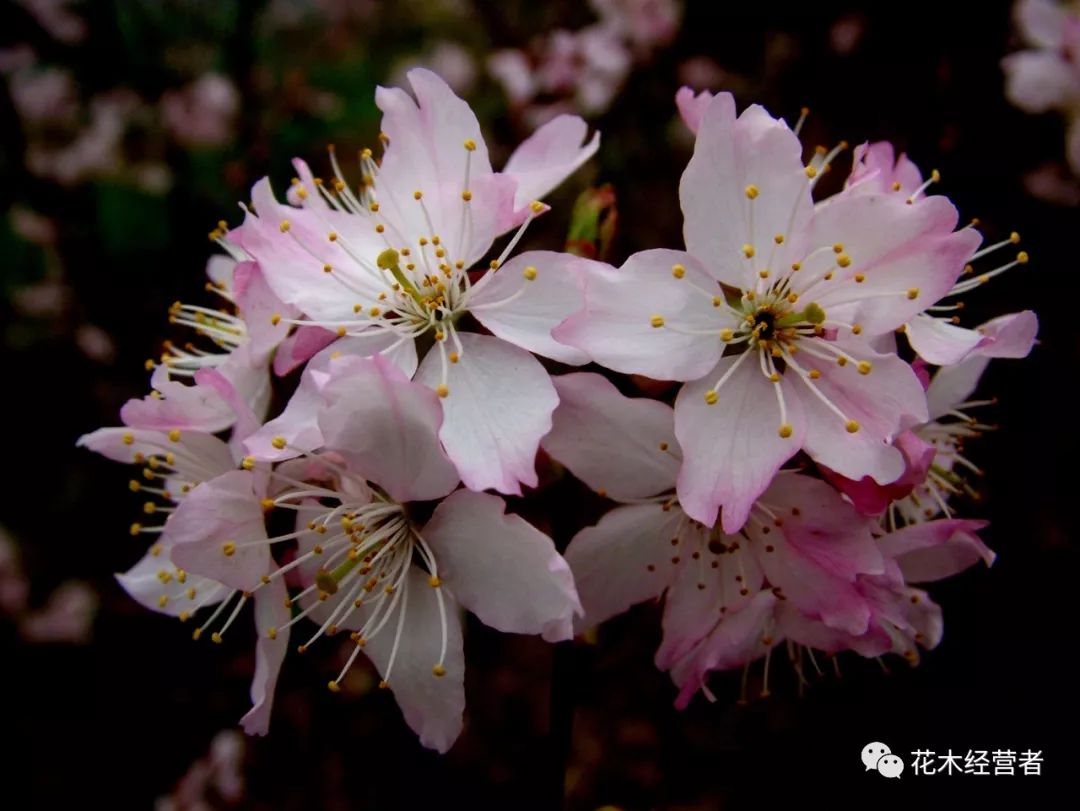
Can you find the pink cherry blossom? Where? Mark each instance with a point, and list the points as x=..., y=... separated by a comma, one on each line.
x=365, y=563
x=803, y=545
x=203, y=113
x=397, y=260
x=770, y=312
x=1046, y=76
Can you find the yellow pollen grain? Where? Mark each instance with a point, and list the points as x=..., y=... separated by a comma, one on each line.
x=374, y=311
x=380, y=228
x=841, y=361
x=174, y=435
x=248, y=462
x=470, y=144
x=851, y=426
x=1022, y=258
x=439, y=671
x=529, y=273
x=342, y=332
x=466, y=195
x=332, y=236
x=763, y=274
x=860, y=278
x=334, y=686
x=454, y=357
x=279, y=442
x=913, y=293
x=896, y=185
x=1014, y=237
x=284, y=226
x=815, y=374
x=417, y=195
x=678, y=271
x=785, y=431
x=779, y=239
x=774, y=378
x=811, y=172
x=864, y=367
x=228, y=549
x=657, y=321
x=128, y=438
x=843, y=260
x=748, y=250
x=442, y=390
x=752, y=191
x=726, y=334
x=795, y=267
x=536, y=207
x=717, y=301
x=275, y=319
x=711, y=397
x=136, y=528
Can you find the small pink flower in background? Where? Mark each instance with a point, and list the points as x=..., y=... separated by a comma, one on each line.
x=44, y=95
x=771, y=312
x=446, y=58
x=56, y=18
x=1046, y=76
x=203, y=113
x=399, y=263
x=645, y=23
x=218, y=775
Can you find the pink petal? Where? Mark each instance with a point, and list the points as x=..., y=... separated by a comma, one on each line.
x=885, y=402
x=692, y=106
x=270, y=612
x=638, y=537
x=897, y=248
x=257, y=304
x=616, y=326
x=214, y=515
x=952, y=385
x=622, y=446
x=549, y=156
x=432, y=705
x=871, y=498
x=730, y=156
x=1009, y=336
x=736, y=640
x=939, y=342
x=935, y=550
x=386, y=428
x=499, y=405
x=203, y=456
x=299, y=347
x=502, y=568
x=733, y=449
x=702, y=595
x=554, y=293
x=145, y=584
x=180, y=406
x=1042, y=22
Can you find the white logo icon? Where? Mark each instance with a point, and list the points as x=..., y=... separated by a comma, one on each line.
x=879, y=757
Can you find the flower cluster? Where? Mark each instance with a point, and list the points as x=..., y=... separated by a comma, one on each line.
x=802, y=482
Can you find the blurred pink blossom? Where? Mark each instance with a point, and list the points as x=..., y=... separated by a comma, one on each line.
x=448, y=59
x=56, y=19
x=645, y=23
x=44, y=95
x=67, y=616
x=218, y=774
x=203, y=113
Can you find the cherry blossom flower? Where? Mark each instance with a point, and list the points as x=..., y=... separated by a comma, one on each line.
x=1046, y=76
x=366, y=562
x=770, y=313
x=203, y=113
x=191, y=479
x=396, y=260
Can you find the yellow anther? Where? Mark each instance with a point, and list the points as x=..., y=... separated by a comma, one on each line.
x=663, y=446
x=248, y=462
x=896, y=185
x=711, y=397
x=913, y=293
x=439, y=671
x=811, y=172
x=163, y=600
x=841, y=361
x=332, y=236
x=417, y=195
x=785, y=431
x=792, y=298
x=494, y=264
x=279, y=442
x=851, y=426
x=814, y=374
x=342, y=332
x=537, y=207
x=529, y=273
x=466, y=195
x=763, y=274
x=678, y=271
x=215, y=638
x=374, y=312
x=752, y=191
x=266, y=503
x=860, y=278
x=434, y=581
x=135, y=528
x=1014, y=237
x=856, y=329
x=301, y=192
x=442, y=390
x=284, y=226
x=717, y=301
x=657, y=321
x=128, y=438
x=228, y=549
x=454, y=357
x=149, y=508
x=1022, y=257
x=748, y=250
x=334, y=686
x=196, y=634
x=379, y=228
x=935, y=176
x=796, y=266
x=778, y=239
x=726, y=334
x=843, y=260
x=134, y=486
x=774, y=377
x=470, y=144
x=864, y=367
x=183, y=616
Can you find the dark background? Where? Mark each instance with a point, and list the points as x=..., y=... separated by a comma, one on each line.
x=117, y=721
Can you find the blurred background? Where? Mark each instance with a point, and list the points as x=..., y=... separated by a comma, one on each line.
x=129, y=128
